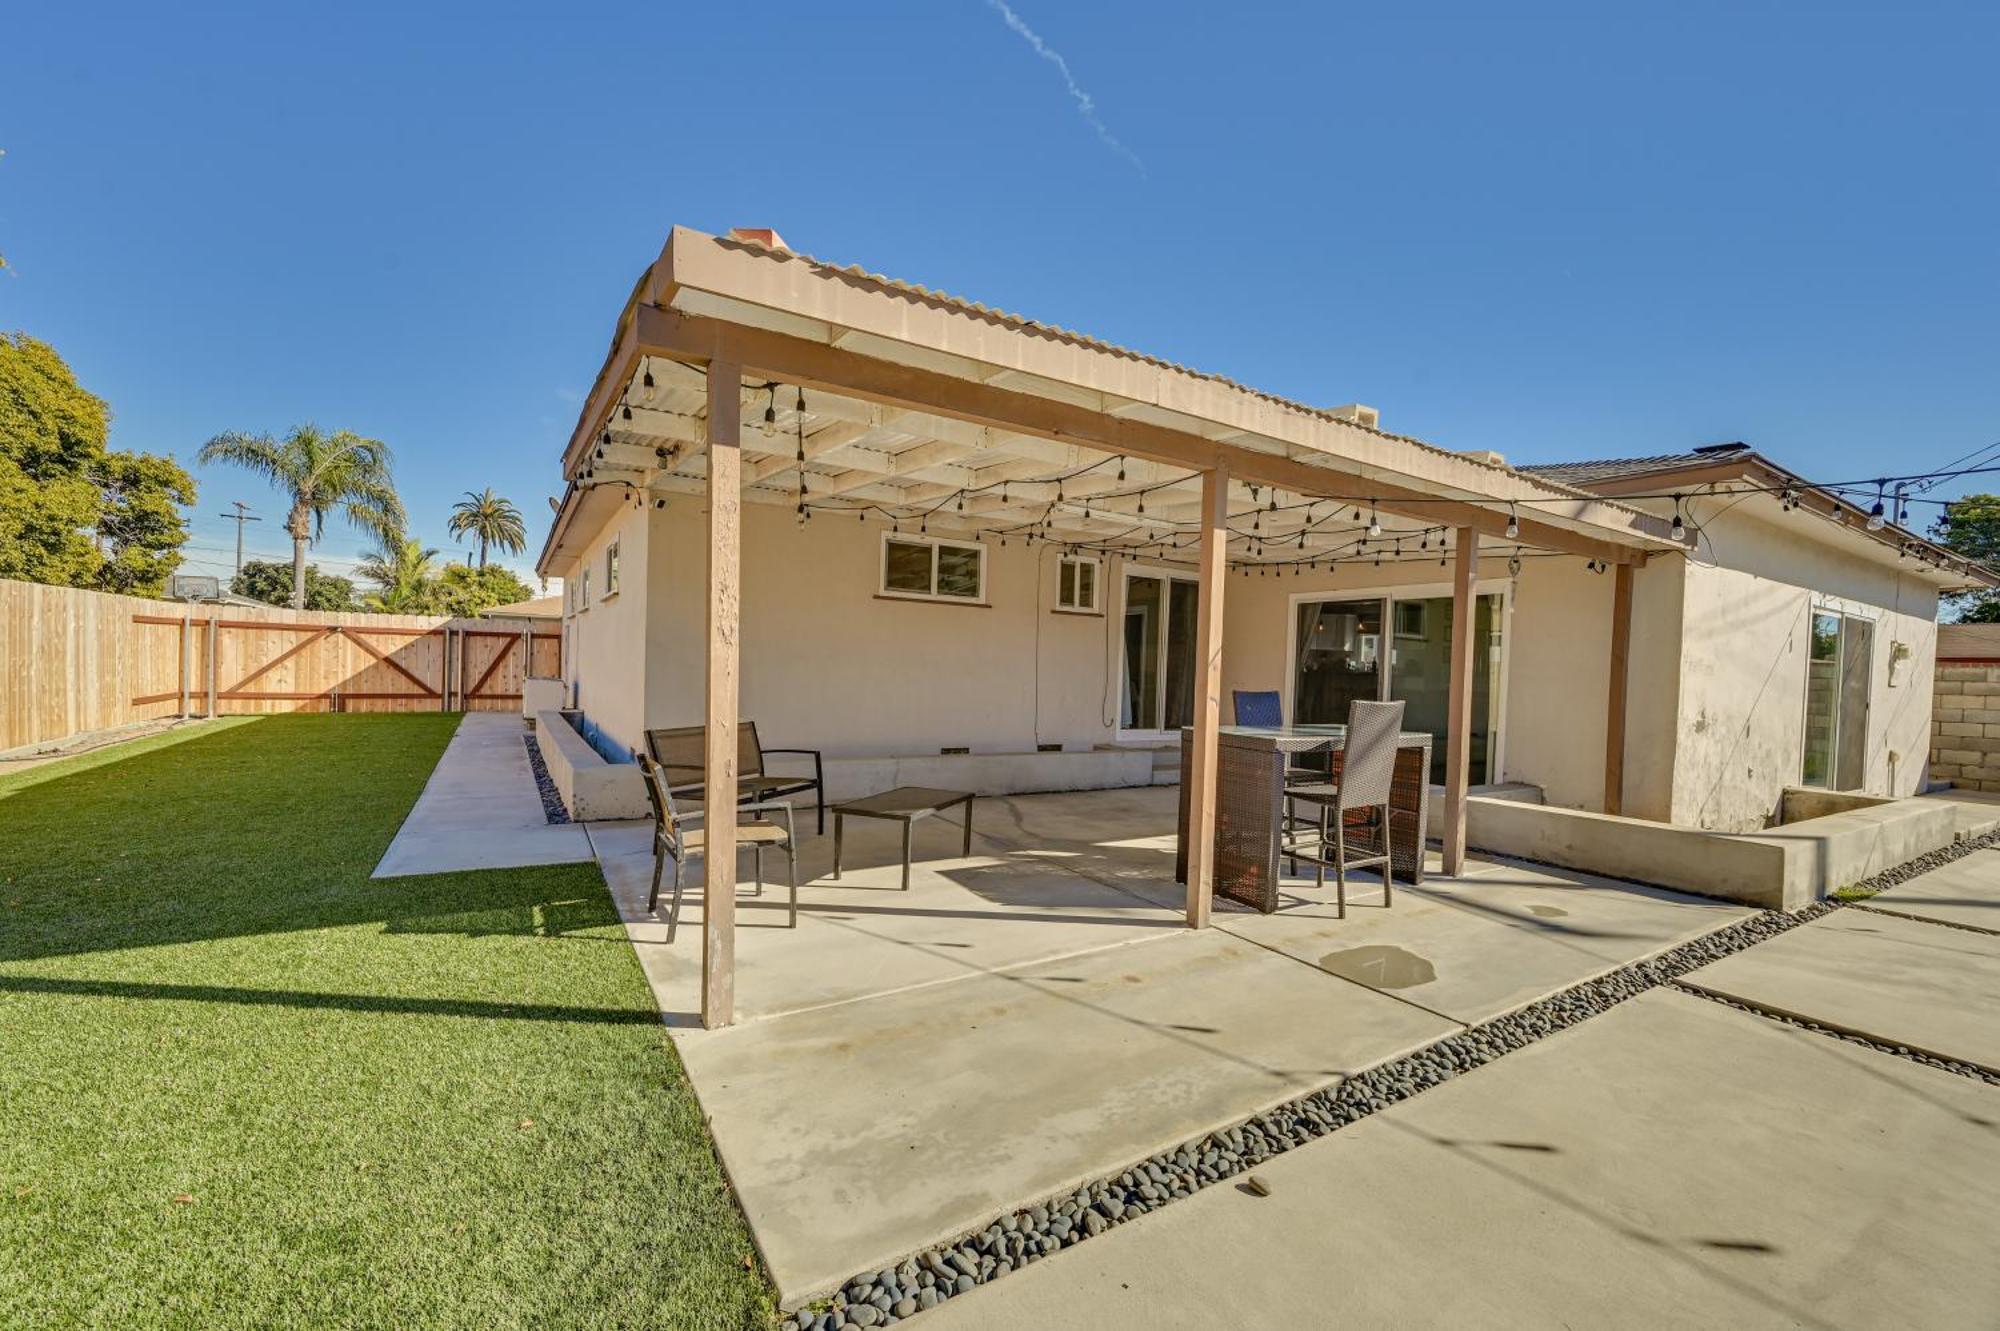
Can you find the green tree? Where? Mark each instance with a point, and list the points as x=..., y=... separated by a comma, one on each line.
x=1971, y=527
x=73, y=512
x=319, y=472
x=271, y=582
x=464, y=590
x=490, y=520
x=405, y=576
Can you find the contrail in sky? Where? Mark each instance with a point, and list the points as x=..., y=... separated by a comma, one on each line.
x=1086, y=105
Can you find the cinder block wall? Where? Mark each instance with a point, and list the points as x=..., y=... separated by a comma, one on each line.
x=1965, y=725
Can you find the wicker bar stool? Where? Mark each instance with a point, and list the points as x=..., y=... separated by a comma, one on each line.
x=1356, y=799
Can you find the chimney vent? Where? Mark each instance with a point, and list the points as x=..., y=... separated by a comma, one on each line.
x=759, y=235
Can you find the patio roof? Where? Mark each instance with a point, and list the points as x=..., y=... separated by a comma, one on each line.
x=908, y=405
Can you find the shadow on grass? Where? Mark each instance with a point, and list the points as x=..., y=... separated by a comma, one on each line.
x=423, y=1007
x=265, y=827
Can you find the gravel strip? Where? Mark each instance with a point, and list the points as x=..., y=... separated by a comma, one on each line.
x=1018, y=1238
x=552, y=805
x=1972, y=1070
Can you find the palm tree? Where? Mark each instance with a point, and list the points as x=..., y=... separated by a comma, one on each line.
x=320, y=472
x=405, y=572
x=495, y=521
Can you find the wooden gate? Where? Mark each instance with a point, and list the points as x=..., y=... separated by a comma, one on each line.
x=238, y=666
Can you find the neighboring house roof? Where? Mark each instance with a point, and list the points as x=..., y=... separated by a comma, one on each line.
x=1719, y=464
x=541, y=607
x=1968, y=642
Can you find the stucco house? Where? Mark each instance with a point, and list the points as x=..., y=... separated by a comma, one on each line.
x=1045, y=639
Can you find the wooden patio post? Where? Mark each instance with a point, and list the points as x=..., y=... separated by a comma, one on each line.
x=1614, y=714
x=725, y=502
x=1458, y=726
x=1207, y=720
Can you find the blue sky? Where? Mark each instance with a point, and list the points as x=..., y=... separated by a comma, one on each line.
x=1554, y=231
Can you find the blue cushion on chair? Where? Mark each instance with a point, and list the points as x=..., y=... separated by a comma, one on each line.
x=1259, y=709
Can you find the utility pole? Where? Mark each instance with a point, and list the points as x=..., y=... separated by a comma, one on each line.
x=239, y=517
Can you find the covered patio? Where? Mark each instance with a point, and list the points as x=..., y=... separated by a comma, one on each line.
x=909, y=1065
x=742, y=371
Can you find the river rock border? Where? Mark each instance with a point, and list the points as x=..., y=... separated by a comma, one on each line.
x=1022, y=1237
x=552, y=805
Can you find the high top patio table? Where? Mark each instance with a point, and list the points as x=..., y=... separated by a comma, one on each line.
x=1250, y=804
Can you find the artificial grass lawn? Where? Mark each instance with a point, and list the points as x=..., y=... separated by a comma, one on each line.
x=243, y=1085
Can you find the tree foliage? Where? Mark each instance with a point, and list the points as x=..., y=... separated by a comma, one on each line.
x=319, y=473
x=1971, y=527
x=271, y=582
x=463, y=590
x=404, y=572
x=73, y=512
x=490, y=520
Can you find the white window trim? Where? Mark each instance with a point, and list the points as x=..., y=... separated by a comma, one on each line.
x=883, y=589
x=1839, y=607
x=1096, y=606
x=611, y=570
x=1130, y=569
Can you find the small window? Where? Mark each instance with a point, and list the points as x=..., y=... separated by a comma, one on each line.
x=1410, y=619
x=611, y=569
x=583, y=592
x=1076, y=583
x=917, y=566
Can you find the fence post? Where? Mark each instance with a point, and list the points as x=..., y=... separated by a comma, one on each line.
x=214, y=640
x=187, y=656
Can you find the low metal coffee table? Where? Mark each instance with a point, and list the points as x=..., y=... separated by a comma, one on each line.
x=905, y=805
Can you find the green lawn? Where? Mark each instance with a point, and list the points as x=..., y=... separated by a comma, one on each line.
x=243, y=1085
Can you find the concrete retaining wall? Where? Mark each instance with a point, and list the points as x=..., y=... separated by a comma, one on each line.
x=591, y=788
x=1965, y=724
x=1780, y=869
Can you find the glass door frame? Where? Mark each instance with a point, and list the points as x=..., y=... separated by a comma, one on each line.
x=1496, y=721
x=1841, y=611
x=1129, y=570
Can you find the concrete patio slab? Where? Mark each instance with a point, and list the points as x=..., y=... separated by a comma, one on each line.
x=856, y=1134
x=1902, y=982
x=1978, y=810
x=910, y=1064
x=861, y=936
x=1966, y=891
x=480, y=809
x=1495, y=939
x=1673, y=1163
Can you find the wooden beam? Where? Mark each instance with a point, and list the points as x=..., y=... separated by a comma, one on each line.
x=1458, y=726
x=1614, y=711
x=718, y=861
x=820, y=367
x=1213, y=576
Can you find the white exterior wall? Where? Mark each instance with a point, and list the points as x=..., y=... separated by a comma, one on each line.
x=1715, y=702
x=829, y=663
x=607, y=635
x=1740, y=728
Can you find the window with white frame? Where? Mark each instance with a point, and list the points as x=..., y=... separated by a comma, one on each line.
x=1076, y=583
x=583, y=591
x=611, y=569
x=928, y=569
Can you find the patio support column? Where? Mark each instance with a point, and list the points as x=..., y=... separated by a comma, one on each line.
x=1207, y=719
x=1614, y=714
x=718, y=861
x=1458, y=727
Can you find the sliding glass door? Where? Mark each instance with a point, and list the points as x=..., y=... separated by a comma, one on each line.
x=1159, y=626
x=1391, y=647
x=1839, y=672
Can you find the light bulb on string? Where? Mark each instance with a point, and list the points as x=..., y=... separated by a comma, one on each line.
x=1679, y=530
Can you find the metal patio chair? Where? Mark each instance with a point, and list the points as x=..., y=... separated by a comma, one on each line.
x=675, y=838
x=1357, y=798
x=681, y=750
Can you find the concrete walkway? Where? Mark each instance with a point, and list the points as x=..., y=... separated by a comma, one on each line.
x=1672, y=1163
x=480, y=809
x=910, y=1064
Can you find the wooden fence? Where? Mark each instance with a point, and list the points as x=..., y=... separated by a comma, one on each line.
x=77, y=661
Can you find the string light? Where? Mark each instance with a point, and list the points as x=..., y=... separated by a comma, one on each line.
x=1679, y=530
x=771, y=414
x=1513, y=522
x=1876, y=519
x=1374, y=523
